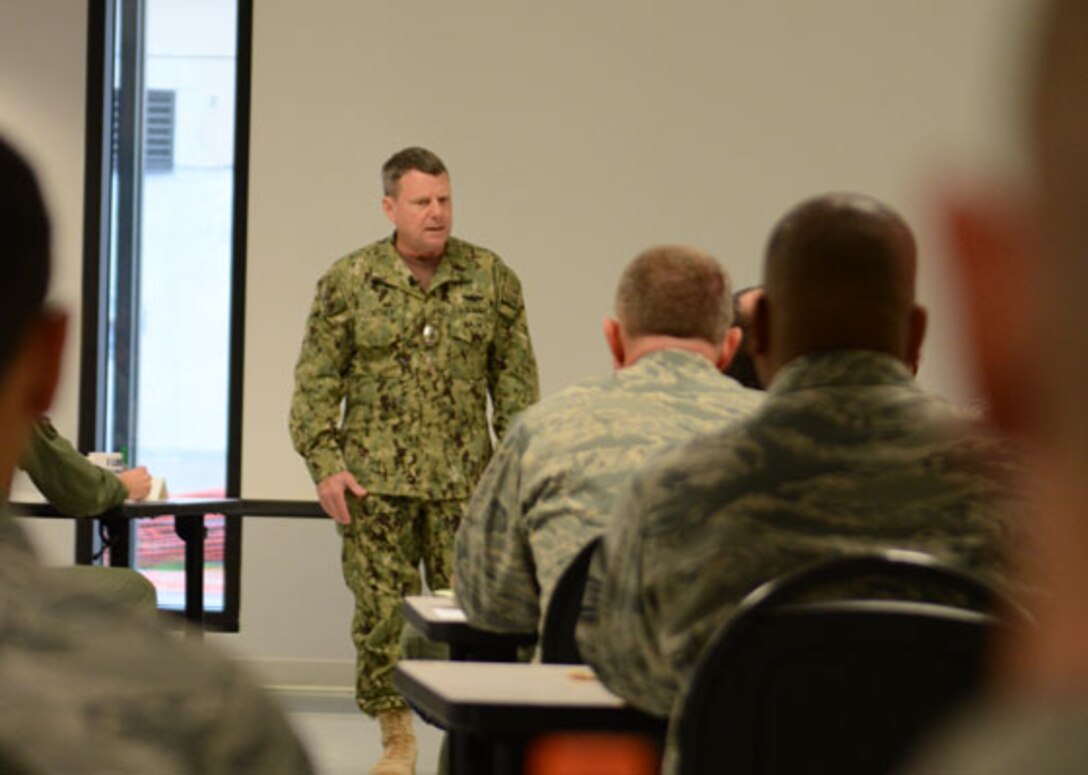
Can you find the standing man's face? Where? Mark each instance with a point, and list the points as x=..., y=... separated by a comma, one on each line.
x=422, y=213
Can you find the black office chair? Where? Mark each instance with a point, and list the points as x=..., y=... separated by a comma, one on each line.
x=844, y=686
x=557, y=643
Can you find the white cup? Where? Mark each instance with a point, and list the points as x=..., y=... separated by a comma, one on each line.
x=111, y=461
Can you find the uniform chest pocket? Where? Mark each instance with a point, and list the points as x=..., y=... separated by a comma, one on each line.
x=376, y=332
x=377, y=343
x=470, y=340
x=473, y=328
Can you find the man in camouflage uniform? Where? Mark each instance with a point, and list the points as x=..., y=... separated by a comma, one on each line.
x=846, y=454
x=79, y=488
x=549, y=488
x=87, y=685
x=71, y=482
x=414, y=334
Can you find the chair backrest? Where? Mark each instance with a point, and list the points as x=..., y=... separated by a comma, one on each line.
x=557, y=643
x=844, y=686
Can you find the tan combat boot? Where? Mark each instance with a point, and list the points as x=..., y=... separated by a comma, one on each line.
x=398, y=744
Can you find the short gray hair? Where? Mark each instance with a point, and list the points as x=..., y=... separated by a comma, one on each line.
x=413, y=158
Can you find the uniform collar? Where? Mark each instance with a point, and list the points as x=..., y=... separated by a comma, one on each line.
x=677, y=365
x=391, y=269
x=454, y=265
x=841, y=368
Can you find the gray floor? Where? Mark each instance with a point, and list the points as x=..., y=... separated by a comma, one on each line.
x=343, y=741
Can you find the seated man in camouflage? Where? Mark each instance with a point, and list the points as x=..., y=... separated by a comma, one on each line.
x=72, y=483
x=79, y=488
x=846, y=454
x=549, y=488
x=87, y=685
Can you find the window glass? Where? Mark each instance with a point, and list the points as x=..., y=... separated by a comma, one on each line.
x=168, y=359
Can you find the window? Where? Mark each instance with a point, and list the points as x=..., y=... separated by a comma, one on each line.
x=159, y=130
x=164, y=266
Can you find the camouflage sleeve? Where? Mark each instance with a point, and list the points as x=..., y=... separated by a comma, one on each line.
x=319, y=379
x=496, y=577
x=511, y=367
x=66, y=478
x=618, y=631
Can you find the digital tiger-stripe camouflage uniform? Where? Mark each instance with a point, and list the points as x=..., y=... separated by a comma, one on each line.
x=415, y=370
x=549, y=488
x=846, y=454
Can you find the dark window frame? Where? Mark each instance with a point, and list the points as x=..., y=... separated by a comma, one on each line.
x=97, y=160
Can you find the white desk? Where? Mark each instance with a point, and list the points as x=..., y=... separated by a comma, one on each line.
x=188, y=516
x=492, y=708
x=441, y=619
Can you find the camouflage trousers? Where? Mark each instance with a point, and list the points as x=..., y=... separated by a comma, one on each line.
x=382, y=549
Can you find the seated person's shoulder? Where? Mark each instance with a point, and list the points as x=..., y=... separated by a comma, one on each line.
x=689, y=476
x=126, y=688
x=45, y=429
x=709, y=452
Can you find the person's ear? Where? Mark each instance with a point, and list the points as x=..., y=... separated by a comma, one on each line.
x=387, y=208
x=734, y=336
x=46, y=349
x=613, y=335
x=993, y=245
x=916, y=334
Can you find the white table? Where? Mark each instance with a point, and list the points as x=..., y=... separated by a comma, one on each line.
x=492, y=708
x=440, y=619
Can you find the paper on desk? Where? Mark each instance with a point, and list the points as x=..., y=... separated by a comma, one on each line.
x=450, y=614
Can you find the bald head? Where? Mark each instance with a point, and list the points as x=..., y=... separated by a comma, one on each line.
x=839, y=274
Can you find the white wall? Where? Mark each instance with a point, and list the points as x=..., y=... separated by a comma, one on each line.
x=578, y=133
x=43, y=46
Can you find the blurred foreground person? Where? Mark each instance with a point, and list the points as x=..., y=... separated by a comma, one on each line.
x=1031, y=256
x=87, y=685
